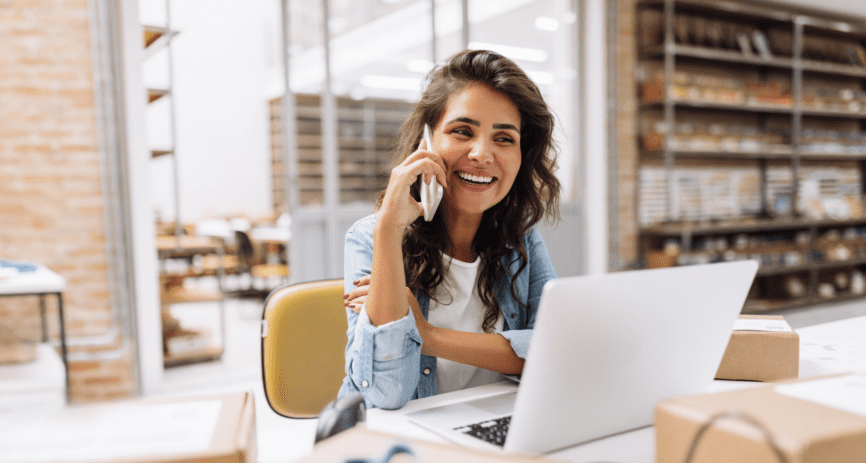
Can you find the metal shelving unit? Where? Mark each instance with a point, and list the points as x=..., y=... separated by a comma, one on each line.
x=670, y=53
x=180, y=246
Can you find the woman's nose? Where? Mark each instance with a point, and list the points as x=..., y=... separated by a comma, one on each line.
x=481, y=152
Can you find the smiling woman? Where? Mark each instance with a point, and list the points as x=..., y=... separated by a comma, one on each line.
x=450, y=303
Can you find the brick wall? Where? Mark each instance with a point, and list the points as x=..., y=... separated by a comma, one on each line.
x=51, y=204
x=625, y=254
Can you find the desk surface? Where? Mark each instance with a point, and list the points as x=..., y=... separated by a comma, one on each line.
x=271, y=234
x=636, y=446
x=42, y=281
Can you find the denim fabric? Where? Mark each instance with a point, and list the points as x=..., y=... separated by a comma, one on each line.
x=384, y=363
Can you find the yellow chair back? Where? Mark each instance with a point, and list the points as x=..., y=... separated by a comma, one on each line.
x=303, y=347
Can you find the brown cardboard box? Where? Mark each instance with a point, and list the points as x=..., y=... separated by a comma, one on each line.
x=140, y=431
x=803, y=430
x=761, y=355
x=360, y=442
x=234, y=438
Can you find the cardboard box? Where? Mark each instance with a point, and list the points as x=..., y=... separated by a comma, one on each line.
x=218, y=428
x=756, y=355
x=803, y=430
x=360, y=442
x=234, y=437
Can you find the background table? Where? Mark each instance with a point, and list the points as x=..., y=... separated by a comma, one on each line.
x=40, y=283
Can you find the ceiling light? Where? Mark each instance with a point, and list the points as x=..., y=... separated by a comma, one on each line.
x=419, y=65
x=515, y=53
x=546, y=24
x=390, y=82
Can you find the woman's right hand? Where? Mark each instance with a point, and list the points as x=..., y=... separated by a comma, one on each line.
x=399, y=208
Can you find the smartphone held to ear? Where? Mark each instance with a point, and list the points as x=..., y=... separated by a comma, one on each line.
x=431, y=193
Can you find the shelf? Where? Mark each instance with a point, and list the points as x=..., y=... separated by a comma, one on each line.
x=154, y=94
x=204, y=355
x=745, y=226
x=186, y=246
x=730, y=56
x=713, y=54
x=779, y=154
x=152, y=34
x=184, y=295
x=155, y=38
x=727, y=7
x=757, y=108
x=155, y=153
x=787, y=154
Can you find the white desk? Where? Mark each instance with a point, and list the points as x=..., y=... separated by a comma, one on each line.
x=631, y=447
x=41, y=283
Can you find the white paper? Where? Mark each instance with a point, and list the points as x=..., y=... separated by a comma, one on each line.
x=751, y=324
x=846, y=393
x=109, y=433
x=834, y=357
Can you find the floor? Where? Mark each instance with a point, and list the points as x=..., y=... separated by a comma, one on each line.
x=239, y=368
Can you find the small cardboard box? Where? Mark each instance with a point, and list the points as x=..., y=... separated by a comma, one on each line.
x=762, y=348
x=363, y=443
x=809, y=421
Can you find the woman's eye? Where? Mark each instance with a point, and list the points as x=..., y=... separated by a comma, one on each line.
x=462, y=131
x=507, y=140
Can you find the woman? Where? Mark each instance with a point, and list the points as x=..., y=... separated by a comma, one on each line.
x=442, y=305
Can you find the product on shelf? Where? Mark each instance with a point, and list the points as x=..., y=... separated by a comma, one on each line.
x=765, y=151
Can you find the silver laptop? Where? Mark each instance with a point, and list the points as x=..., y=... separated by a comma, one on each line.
x=606, y=348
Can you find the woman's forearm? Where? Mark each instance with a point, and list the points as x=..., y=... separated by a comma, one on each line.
x=485, y=350
x=387, y=300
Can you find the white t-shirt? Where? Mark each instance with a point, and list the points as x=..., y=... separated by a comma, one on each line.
x=460, y=309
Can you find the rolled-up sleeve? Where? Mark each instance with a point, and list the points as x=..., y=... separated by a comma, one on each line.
x=539, y=270
x=382, y=362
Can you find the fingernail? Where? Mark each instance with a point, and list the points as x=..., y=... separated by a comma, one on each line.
x=356, y=282
x=345, y=296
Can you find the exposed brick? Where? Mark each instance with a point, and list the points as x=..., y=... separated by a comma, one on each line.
x=51, y=201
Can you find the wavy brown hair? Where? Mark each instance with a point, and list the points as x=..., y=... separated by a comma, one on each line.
x=535, y=191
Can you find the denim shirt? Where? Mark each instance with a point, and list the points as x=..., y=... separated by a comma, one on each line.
x=384, y=363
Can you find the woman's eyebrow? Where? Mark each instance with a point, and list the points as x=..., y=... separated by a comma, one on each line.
x=497, y=126
x=506, y=127
x=466, y=120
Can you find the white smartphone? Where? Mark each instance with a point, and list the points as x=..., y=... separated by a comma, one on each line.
x=431, y=193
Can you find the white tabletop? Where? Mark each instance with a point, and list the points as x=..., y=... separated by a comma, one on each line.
x=636, y=446
x=273, y=234
x=42, y=281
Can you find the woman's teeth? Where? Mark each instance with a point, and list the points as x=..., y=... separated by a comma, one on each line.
x=475, y=178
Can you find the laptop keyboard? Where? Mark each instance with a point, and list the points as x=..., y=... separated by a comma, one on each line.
x=492, y=431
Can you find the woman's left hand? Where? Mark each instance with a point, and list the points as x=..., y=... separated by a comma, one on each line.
x=355, y=298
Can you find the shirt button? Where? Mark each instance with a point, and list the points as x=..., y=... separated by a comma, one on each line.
x=514, y=315
x=426, y=371
x=365, y=383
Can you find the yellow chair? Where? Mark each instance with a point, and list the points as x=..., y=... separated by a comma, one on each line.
x=303, y=345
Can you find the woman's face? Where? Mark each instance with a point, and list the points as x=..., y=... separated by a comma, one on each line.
x=478, y=137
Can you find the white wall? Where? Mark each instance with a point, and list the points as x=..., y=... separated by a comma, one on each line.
x=220, y=62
